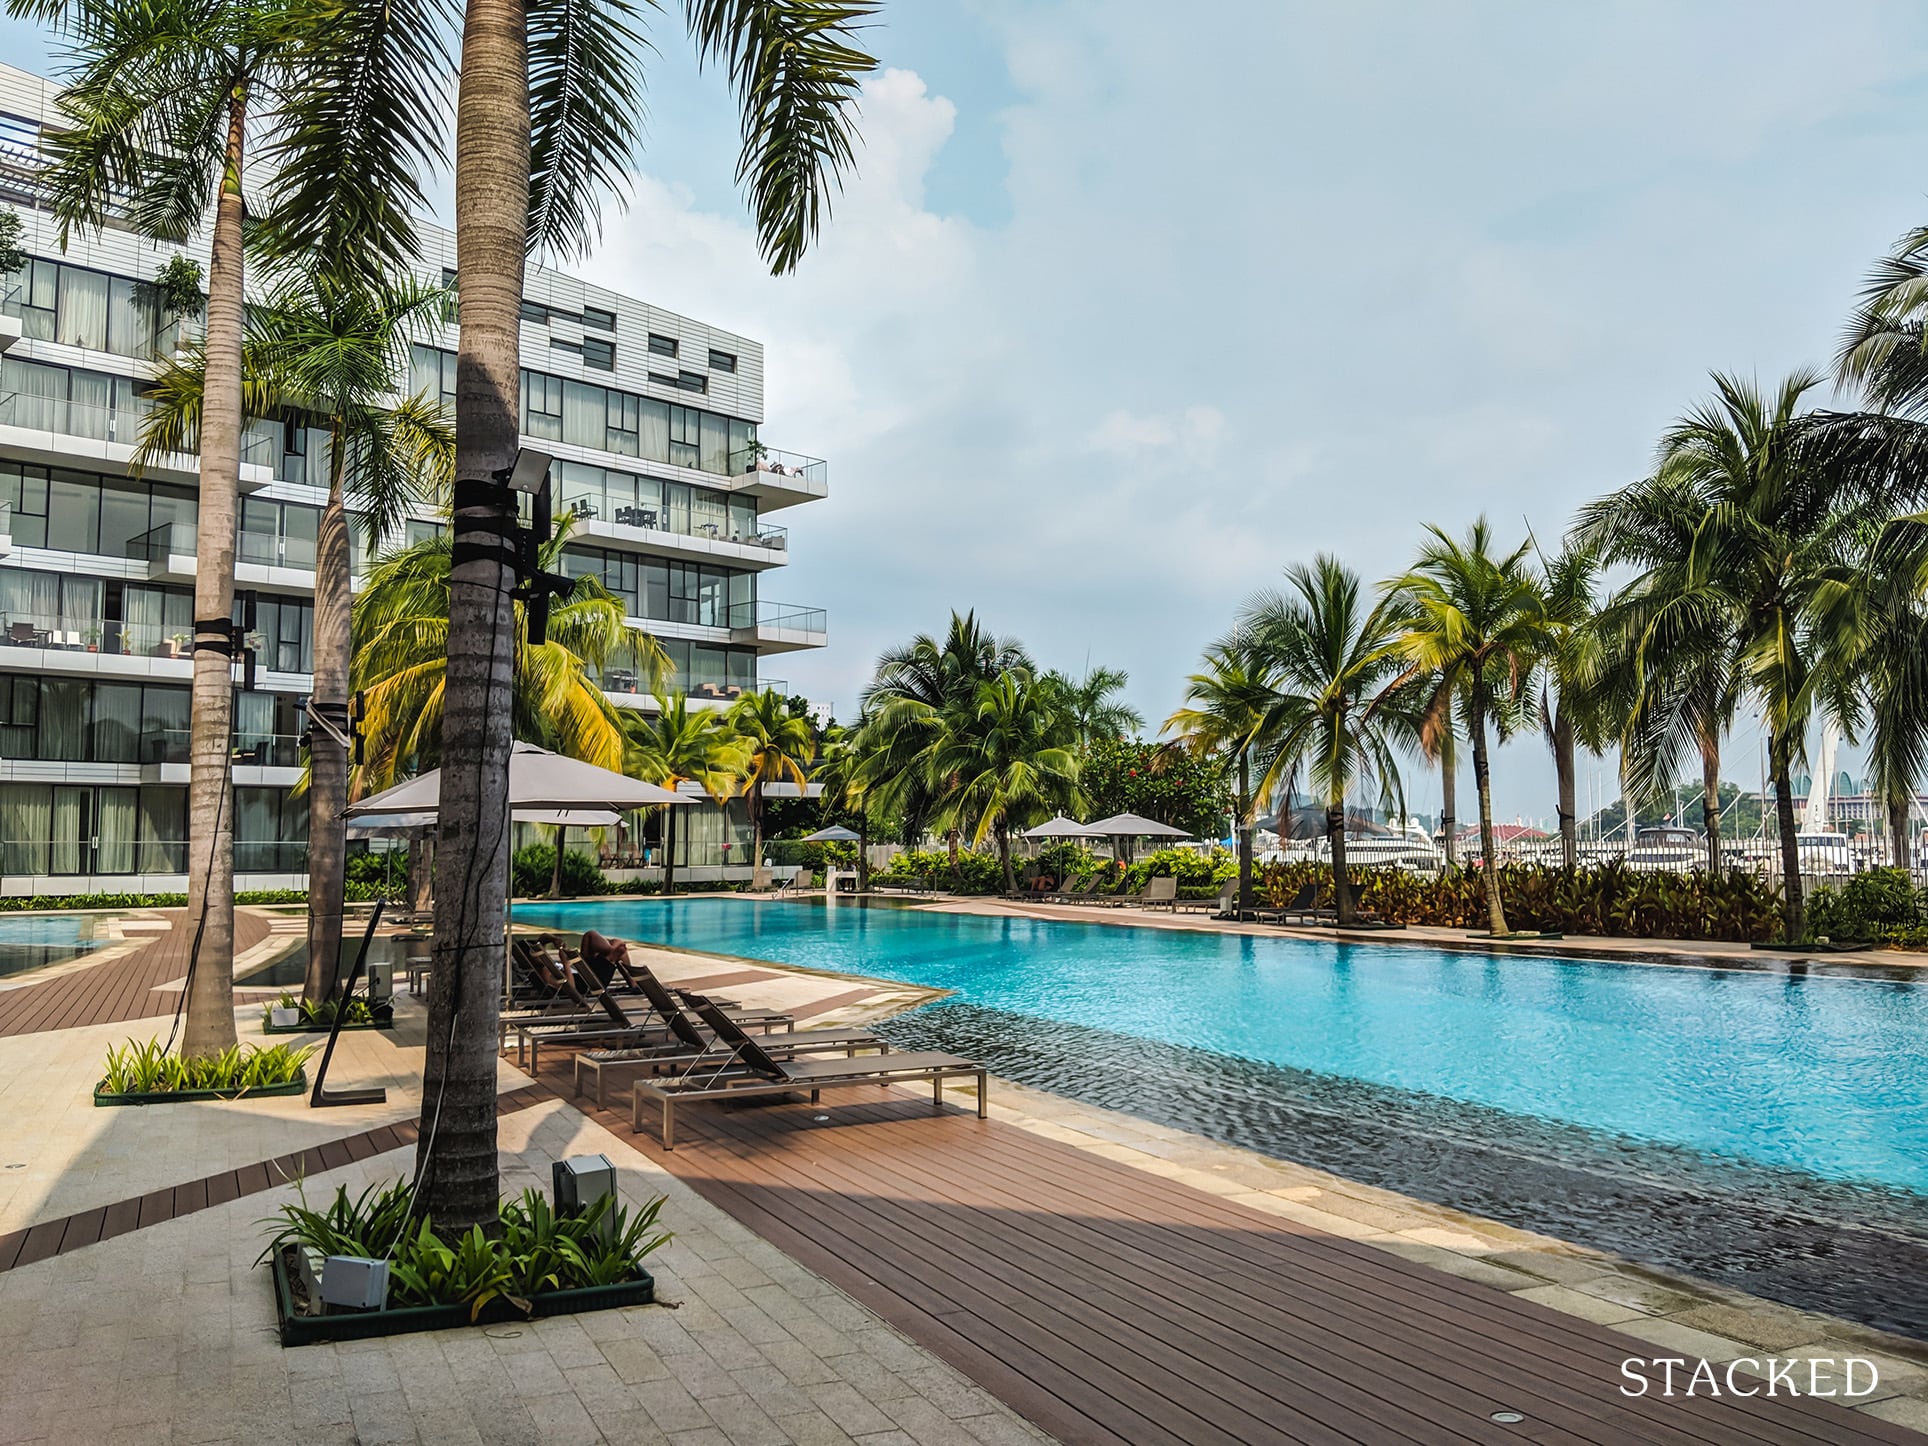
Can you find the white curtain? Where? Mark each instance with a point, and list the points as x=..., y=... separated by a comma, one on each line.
x=119, y=828
x=83, y=309
x=24, y=816
x=66, y=852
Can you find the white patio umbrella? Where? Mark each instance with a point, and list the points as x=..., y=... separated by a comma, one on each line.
x=538, y=781
x=1132, y=825
x=1062, y=827
x=836, y=833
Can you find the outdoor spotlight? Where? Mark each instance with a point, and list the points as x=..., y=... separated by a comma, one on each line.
x=531, y=469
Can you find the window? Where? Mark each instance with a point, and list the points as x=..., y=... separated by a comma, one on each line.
x=599, y=353
x=722, y=361
x=662, y=345
x=685, y=436
x=432, y=371
x=598, y=319
x=556, y=343
x=536, y=312
x=542, y=405
x=622, y=422
x=90, y=309
x=693, y=381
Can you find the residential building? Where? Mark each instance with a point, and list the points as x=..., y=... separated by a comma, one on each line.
x=654, y=420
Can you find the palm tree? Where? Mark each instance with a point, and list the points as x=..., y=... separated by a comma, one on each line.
x=1003, y=761
x=1226, y=707
x=1569, y=678
x=401, y=618
x=840, y=769
x=1474, y=620
x=1092, y=706
x=677, y=745
x=545, y=121
x=334, y=348
x=1770, y=534
x=159, y=101
x=778, y=745
x=1334, y=674
x=904, y=706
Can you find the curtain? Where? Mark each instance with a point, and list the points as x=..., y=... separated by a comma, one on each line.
x=32, y=597
x=130, y=325
x=25, y=812
x=163, y=831
x=653, y=430
x=117, y=723
x=90, y=409
x=65, y=855
x=119, y=830
x=36, y=394
x=83, y=309
x=63, y=719
x=715, y=444
x=583, y=410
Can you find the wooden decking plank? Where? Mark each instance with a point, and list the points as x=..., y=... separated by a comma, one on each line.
x=191, y=1197
x=82, y=1229
x=222, y=1188
x=10, y=1248
x=42, y=1242
x=252, y=1179
x=1329, y=1262
x=119, y=1218
x=831, y=1003
x=156, y=1206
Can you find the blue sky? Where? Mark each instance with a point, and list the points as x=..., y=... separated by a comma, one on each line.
x=1124, y=310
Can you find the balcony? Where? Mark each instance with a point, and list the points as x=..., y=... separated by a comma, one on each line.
x=60, y=432
x=780, y=479
x=265, y=760
x=776, y=627
x=169, y=552
x=652, y=528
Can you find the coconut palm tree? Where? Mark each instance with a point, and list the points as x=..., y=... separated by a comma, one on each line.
x=778, y=745
x=1334, y=710
x=1569, y=676
x=332, y=348
x=158, y=103
x=1226, y=709
x=401, y=619
x=1092, y=704
x=840, y=769
x=1472, y=618
x=675, y=745
x=1003, y=761
x=545, y=122
x=1772, y=533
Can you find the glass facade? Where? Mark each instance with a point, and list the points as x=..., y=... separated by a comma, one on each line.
x=560, y=409
x=655, y=589
x=632, y=501
x=74, y=306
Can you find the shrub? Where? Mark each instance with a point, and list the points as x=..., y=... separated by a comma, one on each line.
x=1192, y=869
x=145, y=1067
x=1612, y=899
x=785, y=852
x=359, y=1010
x=976, y=873
x=538, y=1249
x=1880, y=905
x=535, y=868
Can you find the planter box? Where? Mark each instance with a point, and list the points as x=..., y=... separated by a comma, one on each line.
x=356, y=1325
x=296, y=1086
x=384, y=1019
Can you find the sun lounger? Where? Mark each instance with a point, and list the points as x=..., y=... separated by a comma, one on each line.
x=752, y=1071
x=1227, y=901
x=625, y=1030
x=1160, y=893
x=1080, y=890
x=1300, y=908
x=697, y=1047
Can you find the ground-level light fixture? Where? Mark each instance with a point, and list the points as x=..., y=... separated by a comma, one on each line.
x=531, y=469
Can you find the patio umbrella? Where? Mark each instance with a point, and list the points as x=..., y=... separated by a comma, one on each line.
x=1133, y=825
x=538, y=780
x=836, y=833
x=1062, y=827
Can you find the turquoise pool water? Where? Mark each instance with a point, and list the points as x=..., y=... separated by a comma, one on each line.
x=28, y=941
x=1826, y=1076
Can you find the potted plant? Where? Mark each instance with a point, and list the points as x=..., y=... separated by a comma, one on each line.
x=92, y=635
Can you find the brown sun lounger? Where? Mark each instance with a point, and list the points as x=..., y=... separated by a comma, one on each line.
x=751, y=1071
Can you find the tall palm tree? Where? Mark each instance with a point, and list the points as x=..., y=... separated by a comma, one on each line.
x=1092, y=704
x=1438, y=744
x=1472, y=618
x=1226, y=709
x=675, y=745
x=1004, y=760
x=1570, y=670
x=333, y=348
x=1770, y=533
x=778, y=745
x=1334, y=709
x=401, y=619
x=159, y=102
x=545, y=122
x=846, y=788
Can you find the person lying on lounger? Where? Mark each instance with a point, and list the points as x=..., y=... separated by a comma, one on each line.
x=603, y=956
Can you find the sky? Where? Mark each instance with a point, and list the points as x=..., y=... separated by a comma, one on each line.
x=1122, y=312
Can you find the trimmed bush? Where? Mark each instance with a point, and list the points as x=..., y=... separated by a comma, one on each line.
x=1879, y=906
x=535, y=868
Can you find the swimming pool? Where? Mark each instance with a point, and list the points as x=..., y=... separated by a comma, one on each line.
x=28, y=941
x=1826, y=1076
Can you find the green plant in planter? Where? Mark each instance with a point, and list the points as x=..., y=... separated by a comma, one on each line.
x=426, y=1272
x=145, y=1067
x=177, y=286
x=598, y=1255
x=13, y=250
x=367, y=1226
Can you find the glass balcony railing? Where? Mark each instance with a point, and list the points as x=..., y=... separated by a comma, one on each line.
x=251, y=750
x=788, y=616
x=111, y=422
x=782, y=464
x=619, y=504
x=262, y=549
x=54, y=633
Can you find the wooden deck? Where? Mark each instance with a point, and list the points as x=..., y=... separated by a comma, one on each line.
x=1110, y=1305
x=125, y=988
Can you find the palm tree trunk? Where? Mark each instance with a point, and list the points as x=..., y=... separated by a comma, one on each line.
x=1448, y=800
x=327, y=760
x=421, y=874
x=1710, y=798
x=1898, y=829
x=753, y=798
x=863, y=853
x=210, y=802
x=555, y=873
x=1563, y=768
x=1335, y=823
x=1004, y=858
x=1791, y=913
x=1483, y=782
x=457, y=1158
x=669, y=850
x=1244, y=831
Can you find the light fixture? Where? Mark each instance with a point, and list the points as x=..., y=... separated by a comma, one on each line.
x=1507, y=1418
x=529, y=472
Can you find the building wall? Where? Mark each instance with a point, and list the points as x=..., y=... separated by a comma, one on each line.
x=670, y=502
